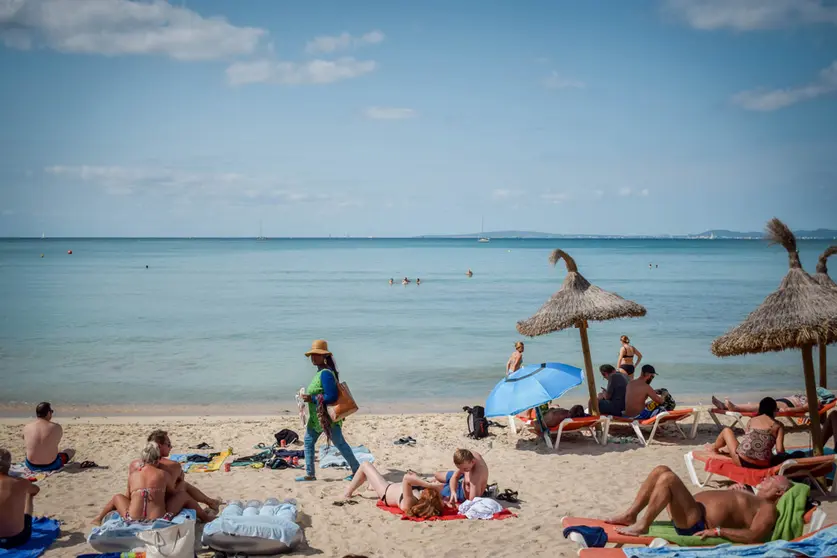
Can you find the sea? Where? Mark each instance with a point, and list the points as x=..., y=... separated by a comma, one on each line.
x=226, y=322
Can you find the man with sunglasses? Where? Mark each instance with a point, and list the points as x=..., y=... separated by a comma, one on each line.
x=42, y=438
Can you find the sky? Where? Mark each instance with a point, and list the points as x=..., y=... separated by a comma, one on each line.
x=402, y=118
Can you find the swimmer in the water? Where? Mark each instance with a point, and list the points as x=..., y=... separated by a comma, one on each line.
x=470, y=273
x=390, y=280
x=405, y=281
x=418, y=281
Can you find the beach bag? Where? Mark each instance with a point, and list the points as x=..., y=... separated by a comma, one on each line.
x=345, y=404
x=477, y=423
x=668, y=403
x=288, y=436
x=177, y=541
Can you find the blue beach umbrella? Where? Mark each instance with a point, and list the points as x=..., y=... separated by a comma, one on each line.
x=531, y=386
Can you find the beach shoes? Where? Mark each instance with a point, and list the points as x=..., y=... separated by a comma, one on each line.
x=405, y=441
x=509, y=495
x=340, y=503
x=88, y=465
x=350, y=478
x=202, y=445
x=305, y=479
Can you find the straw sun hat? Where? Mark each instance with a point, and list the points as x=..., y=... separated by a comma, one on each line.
x=319, y=347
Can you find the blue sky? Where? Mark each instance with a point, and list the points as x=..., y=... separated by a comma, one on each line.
x=391, y=118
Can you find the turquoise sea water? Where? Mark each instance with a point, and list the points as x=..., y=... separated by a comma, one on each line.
x=228, y=321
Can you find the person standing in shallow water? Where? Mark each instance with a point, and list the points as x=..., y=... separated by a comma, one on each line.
x=322, y=391
x=515, y=362
x=626, y=357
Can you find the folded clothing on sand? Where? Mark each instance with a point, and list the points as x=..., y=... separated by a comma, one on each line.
x=821, y=544
x=330, y=456
x=44, y=533
x=117, y=535
x=448, y=514
x=480, y=508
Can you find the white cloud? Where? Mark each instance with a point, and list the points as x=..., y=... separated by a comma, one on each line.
x=503, y=194
x=749, y=15
x=556, y=81
x=624, y=191
x=228, y=186
x=598, y=194
x=556, y=197
x=644, y=192
x=114, y=27
x=344, y=41
x=313, y=72
x=769, y=100
x=389, y=113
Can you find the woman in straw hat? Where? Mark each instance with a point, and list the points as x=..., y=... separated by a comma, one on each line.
x=322, y=391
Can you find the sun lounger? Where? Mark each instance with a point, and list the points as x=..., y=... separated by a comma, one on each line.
x=722, y=465
x=672, y=417
x=814, y=520
x=620, y=553
x=789, y=416
x=582, y=424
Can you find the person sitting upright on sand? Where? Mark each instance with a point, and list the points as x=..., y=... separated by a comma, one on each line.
x=173, y=468
x=468, y=481
x=735, y=515
x=638, y=391
x=16, y=497
x=42, y=438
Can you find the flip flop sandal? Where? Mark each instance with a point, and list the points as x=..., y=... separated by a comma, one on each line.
x=349, y=478
x=402, y=441
x=509, y=495
x=305, y=479
x=202, y=445
x=341, y=503
x=88, y=465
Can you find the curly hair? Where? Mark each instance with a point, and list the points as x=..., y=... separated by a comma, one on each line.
x=428, y=505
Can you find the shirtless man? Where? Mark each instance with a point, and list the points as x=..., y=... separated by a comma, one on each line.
x=42, y=438
x=15, y=505
x=638, y=391
x=470, y=479
x=173, y=468
x=735, y=515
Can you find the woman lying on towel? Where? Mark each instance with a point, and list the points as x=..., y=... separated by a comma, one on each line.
x=147, y=488
x=796, y=402
x=428, y=502
x=755, y=448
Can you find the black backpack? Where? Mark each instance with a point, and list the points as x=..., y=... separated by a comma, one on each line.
x=289, y=436
x=477, y=423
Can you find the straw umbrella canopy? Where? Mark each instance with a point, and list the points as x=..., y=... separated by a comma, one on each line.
x=798, y=315
x=822, y=277
x=576, y=303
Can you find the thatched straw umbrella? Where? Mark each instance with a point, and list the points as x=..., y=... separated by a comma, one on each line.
x=822, y=277
x=576, y=303
x=798, y=315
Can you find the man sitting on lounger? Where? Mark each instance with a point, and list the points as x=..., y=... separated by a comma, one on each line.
x=470, y=479
x=42, y=438
x=173, y=468
x=15, y=505
x=638, y=391
x=612, y=398
x=735, y=515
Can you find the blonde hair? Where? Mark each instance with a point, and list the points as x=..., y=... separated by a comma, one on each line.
x=151, y=453
x=461, y=456
x=625, y=339
x=429, y=504
x=518, y=345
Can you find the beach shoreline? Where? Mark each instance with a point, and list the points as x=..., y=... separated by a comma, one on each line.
x=65, y=411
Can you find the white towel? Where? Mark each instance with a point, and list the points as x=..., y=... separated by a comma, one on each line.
x=480, y=508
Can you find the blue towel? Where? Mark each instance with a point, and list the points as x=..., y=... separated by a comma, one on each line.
x=824, y=395
x=594, y=537
x=44, y=533
x=821, y=545
x=330, y=456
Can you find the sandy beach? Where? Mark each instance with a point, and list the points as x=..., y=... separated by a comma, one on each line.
x=583, y=479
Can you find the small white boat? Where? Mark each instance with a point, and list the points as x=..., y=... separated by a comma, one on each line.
x=482, y=237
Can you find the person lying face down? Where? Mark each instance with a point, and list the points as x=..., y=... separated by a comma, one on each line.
x=735, y=515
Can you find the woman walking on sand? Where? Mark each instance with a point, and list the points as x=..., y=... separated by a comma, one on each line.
x=626, y=357
x=322, y=391
x=515, y=362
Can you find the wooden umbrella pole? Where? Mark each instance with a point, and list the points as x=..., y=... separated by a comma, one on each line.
x=813, y=401
x=823, y=367
x=588, y=368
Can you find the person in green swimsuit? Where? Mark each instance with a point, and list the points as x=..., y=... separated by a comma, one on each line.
x=325, y=384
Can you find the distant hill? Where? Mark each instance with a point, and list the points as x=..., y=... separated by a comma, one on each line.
x=715, y=233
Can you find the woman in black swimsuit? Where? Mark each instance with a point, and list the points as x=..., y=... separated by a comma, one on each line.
x=403, y=495
x=626, y=357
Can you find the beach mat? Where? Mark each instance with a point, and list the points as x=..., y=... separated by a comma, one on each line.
x=21, y=471
x=44, y=533
x=448, y=514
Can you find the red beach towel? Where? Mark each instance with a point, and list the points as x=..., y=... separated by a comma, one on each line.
x=448, y=514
